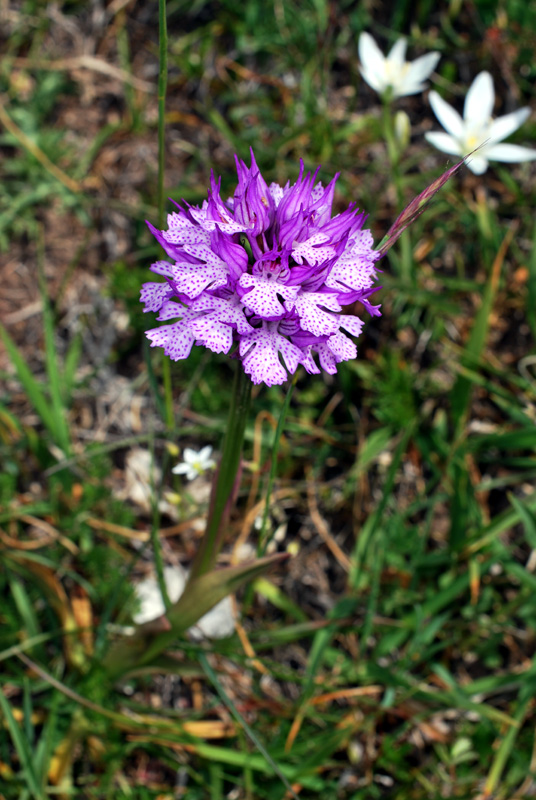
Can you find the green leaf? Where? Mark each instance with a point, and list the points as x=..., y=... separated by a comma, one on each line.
x=200, y=595
x=211, y=675
x=55, y=381
x=461, y=392
x=30, y=385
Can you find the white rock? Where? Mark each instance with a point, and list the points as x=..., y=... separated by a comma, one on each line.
x=216, y=624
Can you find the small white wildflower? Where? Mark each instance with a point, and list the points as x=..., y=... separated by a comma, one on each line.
x=195, y=463
x=393, y=72
x=477, y=129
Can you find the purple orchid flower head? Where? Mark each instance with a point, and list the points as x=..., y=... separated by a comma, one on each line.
x=265, y=276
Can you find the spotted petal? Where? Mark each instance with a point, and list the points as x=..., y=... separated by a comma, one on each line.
x=225, y=221
x=215, y=329
x=177, y=339
x=351, y=324
x=352, y=271
x=260, y=355
x=312, y=251
x=262, y=297
x=310, y=308
x=337, y=348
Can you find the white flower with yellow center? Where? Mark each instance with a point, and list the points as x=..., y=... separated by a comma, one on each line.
x=195, y=463
x=477, y=129
x=393, y=73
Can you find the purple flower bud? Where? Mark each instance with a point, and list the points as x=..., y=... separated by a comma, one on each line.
x=231, y=252
x=253, y=204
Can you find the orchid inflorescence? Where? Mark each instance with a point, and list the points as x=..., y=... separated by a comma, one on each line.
x=264, y=275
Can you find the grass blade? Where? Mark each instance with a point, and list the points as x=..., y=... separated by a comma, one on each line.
x=31, y=386
x=23, y=749
x=55, y=378
x=213, y=678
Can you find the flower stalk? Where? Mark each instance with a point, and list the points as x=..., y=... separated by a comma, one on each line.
x=225, y=480
x=263, y=540
x=161, y=198
x=393, y=152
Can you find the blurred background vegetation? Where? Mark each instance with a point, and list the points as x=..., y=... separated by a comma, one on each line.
x=393, y=655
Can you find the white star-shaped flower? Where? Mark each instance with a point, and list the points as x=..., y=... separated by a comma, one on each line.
x=477, y=129
x=393, y=72
x=195, y=463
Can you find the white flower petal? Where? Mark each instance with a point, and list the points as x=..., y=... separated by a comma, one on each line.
x=447, y=115
x=422, y=68
x=195, y=463
x=397, y=53
x=444, y=142
x=372, y=60
x=181, y=469
x=374, y=80
x=204, y=453
x=510, y=152
x=405, y=88
x=479, y=100
x=477, y=164
x=393, y=72
x=502, y=127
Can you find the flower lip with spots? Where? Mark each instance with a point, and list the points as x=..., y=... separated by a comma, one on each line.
x=195, y=462
x=477, y=130
x=392, y=75
x=263, y=276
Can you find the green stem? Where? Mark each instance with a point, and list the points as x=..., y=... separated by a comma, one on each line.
x=261, y=549
x=155, y=540
x=392, y=147
x=406, y=260
x=224, y=482
x=162, y=87
x=166, y=367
